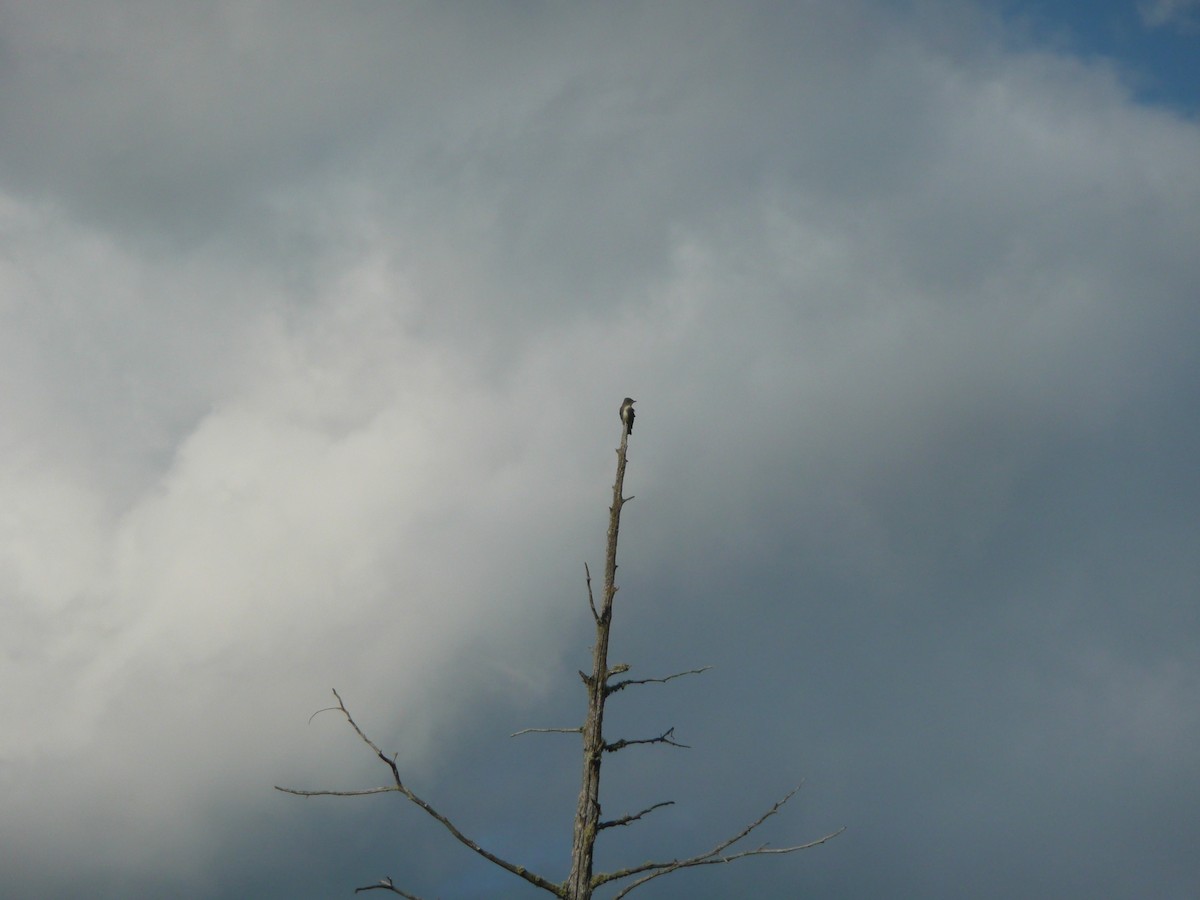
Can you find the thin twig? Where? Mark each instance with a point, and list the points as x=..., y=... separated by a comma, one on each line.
x=319, y=711
x=713, y=856
x=591, y=600
x=759, y=851
x=620, y=685
x=386, y=789
x=664, y=738
x=575, y=730
x=625, y=820
x=385, y=884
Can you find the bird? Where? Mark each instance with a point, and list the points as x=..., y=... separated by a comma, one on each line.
x=627, y=414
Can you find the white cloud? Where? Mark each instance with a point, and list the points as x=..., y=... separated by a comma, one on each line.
x=1174, y=13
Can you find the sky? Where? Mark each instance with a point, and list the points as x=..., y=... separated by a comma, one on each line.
x=314, y=322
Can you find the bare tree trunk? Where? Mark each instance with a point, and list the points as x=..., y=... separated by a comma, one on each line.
x=587, y=815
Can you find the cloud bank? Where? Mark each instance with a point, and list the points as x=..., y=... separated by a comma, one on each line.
x=315, y=324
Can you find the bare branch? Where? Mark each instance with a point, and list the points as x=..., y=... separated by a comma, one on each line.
x=625, y=820
x=759, y=851
x=319, y=711
x=591, y=599
x=664, y=738
x=575, y=730
x=385, y=884
x=387, y=789
x=713, y=856
x=620, y=685
x=519, y=871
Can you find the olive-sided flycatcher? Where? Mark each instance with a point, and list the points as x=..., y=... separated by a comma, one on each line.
x=627, y=414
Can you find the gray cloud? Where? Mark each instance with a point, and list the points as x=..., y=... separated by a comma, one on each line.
x=314, y=328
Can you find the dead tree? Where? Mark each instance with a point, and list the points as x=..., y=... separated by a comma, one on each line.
x=581, y=881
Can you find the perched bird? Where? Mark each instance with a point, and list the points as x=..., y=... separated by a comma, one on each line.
x=627, y=414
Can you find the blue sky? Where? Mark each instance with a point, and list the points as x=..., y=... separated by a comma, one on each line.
x=1155, y=43
x=314, y=322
